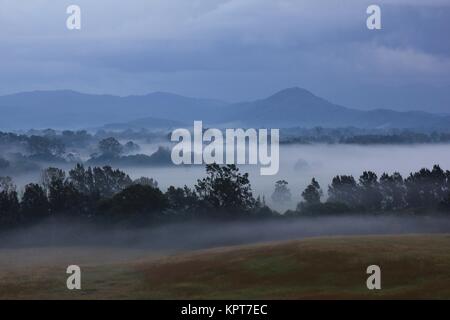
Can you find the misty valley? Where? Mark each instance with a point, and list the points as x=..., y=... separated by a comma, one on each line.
x=110, y=198
x=50, y=174
x=224, y=150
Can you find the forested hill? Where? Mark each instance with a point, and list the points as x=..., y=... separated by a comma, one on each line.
x=293, y=107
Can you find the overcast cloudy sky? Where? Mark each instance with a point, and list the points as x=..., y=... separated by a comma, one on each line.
x=233, y=49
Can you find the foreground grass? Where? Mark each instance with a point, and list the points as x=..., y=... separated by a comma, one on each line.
x=416, y=266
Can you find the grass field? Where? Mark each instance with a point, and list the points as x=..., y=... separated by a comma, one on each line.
x=412, y=266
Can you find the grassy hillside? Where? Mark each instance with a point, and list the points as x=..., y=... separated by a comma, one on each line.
x=416, y=266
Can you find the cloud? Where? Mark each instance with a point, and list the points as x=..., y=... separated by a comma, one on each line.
x=231, y=49
x=410, y=61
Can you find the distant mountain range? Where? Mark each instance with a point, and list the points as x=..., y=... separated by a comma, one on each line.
x=298, y=107
x=293, y=107
x=70, y=109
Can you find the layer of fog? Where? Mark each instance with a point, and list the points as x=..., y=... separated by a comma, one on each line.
x=298, y=165
x=201, y=235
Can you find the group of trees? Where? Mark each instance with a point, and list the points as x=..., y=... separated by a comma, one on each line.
x=397, y=138
x=77, y=193
x=38, y=146
x=111, y=147
x=224, y=193
x=113, y=154
x=422, y=191
x=21, y=152
x=50, y=145
x=102, y=192
x=28, y=152
x=361, y=136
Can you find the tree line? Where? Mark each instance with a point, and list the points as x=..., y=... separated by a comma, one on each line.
x=424, y=191
x=104, y=193
x=107, y=193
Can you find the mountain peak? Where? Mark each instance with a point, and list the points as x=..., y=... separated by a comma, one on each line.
x=292, y=93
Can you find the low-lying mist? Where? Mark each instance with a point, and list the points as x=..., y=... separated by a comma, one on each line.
x=202, y=235
x=298, y=165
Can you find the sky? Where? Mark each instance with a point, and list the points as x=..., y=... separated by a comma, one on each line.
x=233, y=50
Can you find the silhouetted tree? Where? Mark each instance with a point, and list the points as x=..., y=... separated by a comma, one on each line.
x=225, y=191
x=425, y=188
x=137, y=199
x=9, y=202
x=101, y=181
x=62, y=195
x=52, y=176
x=281, y=194
x=108, y=182
x=343, y=189
x=182, y=200
x=110, y=147
x=312, y=193
x=370, y=193
x=393, y=191
x=82, y=179
x=34, y=204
